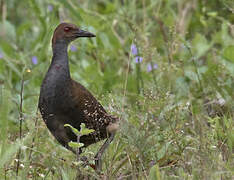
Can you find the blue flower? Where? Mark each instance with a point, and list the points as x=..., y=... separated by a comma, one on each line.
x=73, y=48
x=138, y=59
x=34, y=60
x=1, y=55
x=150, y=67
x=134, y=49
x=50, y=8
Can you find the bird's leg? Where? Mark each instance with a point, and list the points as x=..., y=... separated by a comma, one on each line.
x=98, y=156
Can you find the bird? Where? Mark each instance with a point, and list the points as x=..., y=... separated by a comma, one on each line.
x=63, y=101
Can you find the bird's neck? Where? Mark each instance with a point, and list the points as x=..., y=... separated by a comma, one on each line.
x=60, y=58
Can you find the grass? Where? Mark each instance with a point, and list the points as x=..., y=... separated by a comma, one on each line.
x=176, y=105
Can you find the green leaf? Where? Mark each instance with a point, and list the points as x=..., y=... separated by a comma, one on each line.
x=105, y=41
x=74, y=10
x=84, y=130
x=73, y=129
x=82, y=126
x=9, y=29
x=75, y=144
x=182, y=86
x=8, y=49
x=229, y=53
x=163, y=150
x=200, y=44
x=154, y=173
x=212, y=14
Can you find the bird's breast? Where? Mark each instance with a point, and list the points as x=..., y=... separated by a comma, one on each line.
x=54, y=92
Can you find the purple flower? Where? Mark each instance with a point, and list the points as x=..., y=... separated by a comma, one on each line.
x=134, y=49
x=155, y=66
x=150, y=67
x=50, y=7
x=34, y=60
x=73, y=48
x=138, y=59
x=1, y=55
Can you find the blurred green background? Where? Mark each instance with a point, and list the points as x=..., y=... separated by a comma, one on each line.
x=166, y=67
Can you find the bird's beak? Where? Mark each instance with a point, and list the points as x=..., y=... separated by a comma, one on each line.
x=82, y=33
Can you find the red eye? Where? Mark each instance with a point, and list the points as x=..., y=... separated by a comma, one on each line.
x=66, y=29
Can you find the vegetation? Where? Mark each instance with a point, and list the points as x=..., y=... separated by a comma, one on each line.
x=165, y=67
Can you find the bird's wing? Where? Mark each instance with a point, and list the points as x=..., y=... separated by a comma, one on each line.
x=88, y=108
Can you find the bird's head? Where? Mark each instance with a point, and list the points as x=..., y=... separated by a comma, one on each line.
x=67, y=32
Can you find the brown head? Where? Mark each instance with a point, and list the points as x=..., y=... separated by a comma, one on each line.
x=67, y=32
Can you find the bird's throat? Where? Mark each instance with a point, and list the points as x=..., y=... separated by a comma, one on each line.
x=60, y=63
